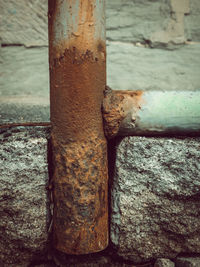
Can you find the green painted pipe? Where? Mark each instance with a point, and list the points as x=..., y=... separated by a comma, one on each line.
x=152, y=113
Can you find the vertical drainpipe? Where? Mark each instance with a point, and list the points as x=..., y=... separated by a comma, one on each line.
x=77, y=61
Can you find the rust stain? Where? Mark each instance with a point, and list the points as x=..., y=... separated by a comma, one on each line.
x=117, y=105
x=84, y=37
x=80, y=220
x=77, y=82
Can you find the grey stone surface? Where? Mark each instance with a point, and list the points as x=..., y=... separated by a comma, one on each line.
x=172, y=33
x=25, y=73
x=188, y=262
x=138, y=68
x=135, y=21
x=164, y=263
x=192, y=22
x=23, y=113
x=24, y=85
x=155, y=198
x=156, y=23
x=160, y=22
x=103, y=258
x=24, y=22
x=23, y=197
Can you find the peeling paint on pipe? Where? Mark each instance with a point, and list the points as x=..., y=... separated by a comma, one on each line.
x=77, y=62
x=151, y=113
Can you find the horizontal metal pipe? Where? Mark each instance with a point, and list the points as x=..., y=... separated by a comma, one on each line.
x=151, y=112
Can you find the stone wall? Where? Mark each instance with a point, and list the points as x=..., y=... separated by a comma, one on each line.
x=170, y=27
x=24, y=203
x=155, y=197
x=154, y=181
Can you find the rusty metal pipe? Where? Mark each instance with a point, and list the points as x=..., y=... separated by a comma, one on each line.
x=151, y=113
x=77, y=61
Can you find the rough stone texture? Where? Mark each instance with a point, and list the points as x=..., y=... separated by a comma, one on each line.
x=24, y=22
x=155, y=197
x=24, y=85
x=103, y=258
x=23, y=113
x=173, y=32
x=187, y=262
x=103, y=262
x=164, y=263
x=129, y=20
x=24, y=73
x=166, y=24
x=192, y=22
x=138, y=68
x=23, y=197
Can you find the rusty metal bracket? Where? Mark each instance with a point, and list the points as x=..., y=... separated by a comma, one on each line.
x=77, y=62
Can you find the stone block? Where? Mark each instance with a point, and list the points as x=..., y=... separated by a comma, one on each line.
x=155, y=198
x=23, y=197
x=24, y=85
x=167, y=24
x=192, y=22
x=188, y=262
x=164, y=263
x=24, y=73
x=173, y=32
x=135, y=21
x=24, y=22
x=138, y=68
x=17, y=112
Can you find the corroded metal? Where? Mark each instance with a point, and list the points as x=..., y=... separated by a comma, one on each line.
x=77, y=59
x=119, y=107
x=151, y=113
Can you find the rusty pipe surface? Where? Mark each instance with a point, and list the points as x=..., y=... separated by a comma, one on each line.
x=151, y=113
x=77, y=62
